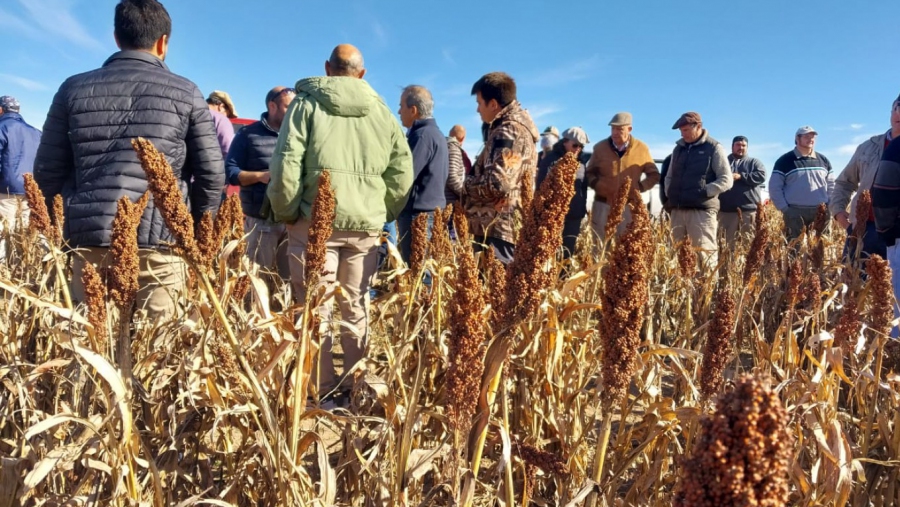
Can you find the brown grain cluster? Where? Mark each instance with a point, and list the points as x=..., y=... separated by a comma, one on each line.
x=881, y=294
x=758, y=246
x=849, y=325
x=229, y=227
x=794, y=281
x=687, y=258
x=624, y=301
x=495, y=284
x=207, y=237
x=617, y=208
x=528, y=273
x=440, y=246
x=419, y=232
x=320, y=229
x=549, y=462
x=526, y=193
x=822, y=218
x=719, y=345
x=168, y=200
x=863, y=210
x=743, y=454
x=467, y=333
x=123, y=247
x=39, y=220
x=95, y=299
x=58, y=217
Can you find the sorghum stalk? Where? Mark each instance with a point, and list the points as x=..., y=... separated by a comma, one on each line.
x=718, y=345
x=743, y=454
x=320, y=230
x=617, y=209
x=758, y=246
x=419, y=244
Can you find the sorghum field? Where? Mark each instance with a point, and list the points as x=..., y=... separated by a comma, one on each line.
x=627, y=375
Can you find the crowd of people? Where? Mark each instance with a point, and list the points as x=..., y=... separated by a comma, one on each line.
x=382, y=176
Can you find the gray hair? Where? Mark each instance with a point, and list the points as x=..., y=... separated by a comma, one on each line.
x=420, y=97
x=351, y=66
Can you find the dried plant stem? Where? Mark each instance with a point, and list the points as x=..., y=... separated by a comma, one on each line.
x=508, y=478
x=600, y=455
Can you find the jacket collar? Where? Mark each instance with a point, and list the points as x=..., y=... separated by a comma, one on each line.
x=425, y=122
x=10, y=116
x=264, y=119
x=703, y=138
x=510, y=108
x=141, y=56
x=797, y=154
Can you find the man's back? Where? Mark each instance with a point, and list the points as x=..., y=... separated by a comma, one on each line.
x=86, y=153
x=18, y=146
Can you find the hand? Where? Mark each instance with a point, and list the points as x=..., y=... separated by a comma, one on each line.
x=843, y=218
x=264, y=177
x=736, y=176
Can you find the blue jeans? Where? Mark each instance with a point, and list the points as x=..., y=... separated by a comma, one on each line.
x=871, y=244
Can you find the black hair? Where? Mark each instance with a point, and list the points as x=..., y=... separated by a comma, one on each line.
x=497, y=86
x=140, y=23
x=739, y=138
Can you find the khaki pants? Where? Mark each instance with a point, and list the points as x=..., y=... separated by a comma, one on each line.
x=351, y=260
x=267, y=245
x=731, y=224
x=10, y=206
x=600, y=215
x=161, y=279
x=701, y=226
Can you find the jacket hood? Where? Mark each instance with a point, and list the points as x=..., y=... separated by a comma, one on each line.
x=513, y=112
x=340, y=95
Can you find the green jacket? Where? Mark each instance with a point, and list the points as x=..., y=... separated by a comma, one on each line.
x=340, y=124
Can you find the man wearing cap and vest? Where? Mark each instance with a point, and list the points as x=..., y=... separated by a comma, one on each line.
x=573, y=141
x=614, y=159
x=801, y=181
x=737, y=211
x=697, y=174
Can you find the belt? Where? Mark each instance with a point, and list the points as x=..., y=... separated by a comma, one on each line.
x=600, y=199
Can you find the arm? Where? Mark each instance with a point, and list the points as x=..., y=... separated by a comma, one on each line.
x=664, y=174
x=592, y=169
x=237, y=158
x=846, y=184
x=722, y=169
x=224, y=134
x=398, y=175
x=776, y=187
x=203, y=160
x=54, y=162
x=829, y=178
x=457, y=169
x=286, y=167
x=756, y=175
x=501, y=173
x=651, y=173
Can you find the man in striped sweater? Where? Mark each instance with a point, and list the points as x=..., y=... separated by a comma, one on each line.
x=801, y=180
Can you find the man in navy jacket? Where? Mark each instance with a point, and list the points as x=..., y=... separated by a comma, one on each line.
x=431, y=162
x=18, y=145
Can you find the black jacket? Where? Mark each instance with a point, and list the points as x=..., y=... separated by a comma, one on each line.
x=431, y=164
x=747, y=191
x=251, y=150
x=578, y=205
x=86, y=155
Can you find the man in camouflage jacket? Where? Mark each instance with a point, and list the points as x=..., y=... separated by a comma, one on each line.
x=509, y=160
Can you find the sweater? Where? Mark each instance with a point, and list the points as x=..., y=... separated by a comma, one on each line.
x=886, y=194
x=431, y=163
x=606, y=170
x=18, y=147
x=798, y=180
x=746, y=193
x=340, y=124
x=697, y=174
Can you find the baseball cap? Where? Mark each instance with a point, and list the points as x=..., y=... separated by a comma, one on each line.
x=224, y=99
x=9, y=103
x=687, y=118
x=576, y=134
x=551, y=130
x=740, y=138
x=806, y=129
x=620, y=119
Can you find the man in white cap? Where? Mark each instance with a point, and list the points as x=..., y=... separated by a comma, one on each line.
x=614, y=159
x=574, y=140
x=801, y=180
x=549, y=138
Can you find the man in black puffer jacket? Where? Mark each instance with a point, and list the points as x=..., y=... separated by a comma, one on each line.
x=86, y=155
x=247, y=165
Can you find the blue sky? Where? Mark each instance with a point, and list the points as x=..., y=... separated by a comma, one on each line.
x=759, y=68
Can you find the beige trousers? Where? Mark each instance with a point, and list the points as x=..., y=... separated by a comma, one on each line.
x=600, y=215
x=161, y=279
x=267, y=245
x=10, y=206
x=351, y=260
x=730, y=224
x=701, y=226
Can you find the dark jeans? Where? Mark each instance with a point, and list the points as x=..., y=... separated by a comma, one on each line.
x=796, y=217
x=571, y=230
x=503, y=250
x=871, y=244
x=404, y=230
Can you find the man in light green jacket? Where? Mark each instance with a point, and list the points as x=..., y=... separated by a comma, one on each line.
x=341, y=124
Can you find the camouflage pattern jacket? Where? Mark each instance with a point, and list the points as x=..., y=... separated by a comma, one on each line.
x=493, y=189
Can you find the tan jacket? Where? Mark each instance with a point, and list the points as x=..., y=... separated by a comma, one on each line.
x=606, y=171
x=493, y=189
x=856, y=177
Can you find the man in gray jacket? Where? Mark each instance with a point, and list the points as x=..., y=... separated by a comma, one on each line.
x=856, y=177
x=738, y=206
x=697, y=174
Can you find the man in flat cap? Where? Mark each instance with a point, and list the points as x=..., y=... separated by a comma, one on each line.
x=614, y=159
x=801, y=180
x=697, y=174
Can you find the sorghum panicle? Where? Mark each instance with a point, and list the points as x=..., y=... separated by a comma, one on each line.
x=419, y=243
x=743, y=453
x=863, y=210
x=758, y=246
x=624, y=301
x=95, y=299
x=881, y=294
x=719, y=345
x=617, y=208
x=687, y=259
x=821, y=221
x=320, y=230
x=123, y=247
x=39, y=220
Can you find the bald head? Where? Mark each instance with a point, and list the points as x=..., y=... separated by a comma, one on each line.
x=459, y=132
x=345, y=60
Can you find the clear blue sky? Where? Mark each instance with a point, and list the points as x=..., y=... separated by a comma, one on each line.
x=758, y=68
